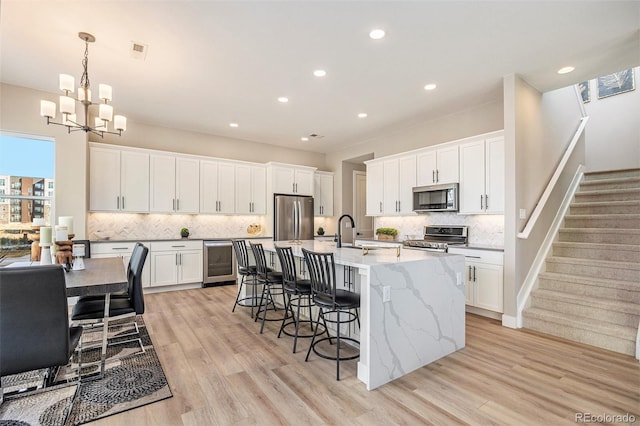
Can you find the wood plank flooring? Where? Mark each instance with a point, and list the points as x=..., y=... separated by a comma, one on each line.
x=223, y=372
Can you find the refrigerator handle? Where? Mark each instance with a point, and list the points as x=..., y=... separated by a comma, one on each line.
x=296, y=231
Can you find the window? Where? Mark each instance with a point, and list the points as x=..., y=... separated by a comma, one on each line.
x=26, y=169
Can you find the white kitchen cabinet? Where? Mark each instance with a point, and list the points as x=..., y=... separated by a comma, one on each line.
x=174, y=184
x=251, y=189
x=217, y=187
x=390, y=186
x=289, y=179
x=118, y=180
x=482, y=176
x=176, y=262
x=375, y=179
x=484, y=278
x=323, y=194
x=437, y=166
x=122, y=250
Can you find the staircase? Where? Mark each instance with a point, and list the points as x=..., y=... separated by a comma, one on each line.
x=590, y=291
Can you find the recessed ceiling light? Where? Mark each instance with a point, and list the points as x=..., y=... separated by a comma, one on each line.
x=362, y=115
x=377, y=34
x=565, y=70
x=233, y=124
x=319, y=73
x=283, y=99
x=430, y=86
x=304, y=139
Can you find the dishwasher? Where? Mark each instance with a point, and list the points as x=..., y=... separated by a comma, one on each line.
x=219, y=263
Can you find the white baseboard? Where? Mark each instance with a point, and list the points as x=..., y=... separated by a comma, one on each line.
x=511, y=321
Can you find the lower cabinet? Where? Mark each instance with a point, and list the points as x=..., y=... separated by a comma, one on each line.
x=123, y=251
x=176, y=262
x=484, y=278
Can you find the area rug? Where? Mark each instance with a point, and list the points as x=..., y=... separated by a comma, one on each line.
x=132, y=379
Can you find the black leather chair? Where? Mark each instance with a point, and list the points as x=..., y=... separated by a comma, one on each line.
x=330, y=300
x=91, y=310
x=271, y=282
x=34, y=320
x=298, y=292
x=245, y=269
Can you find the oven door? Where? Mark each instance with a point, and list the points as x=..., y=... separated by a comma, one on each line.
x=219, y=263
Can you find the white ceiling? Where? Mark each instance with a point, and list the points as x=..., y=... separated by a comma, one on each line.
x=211, y=63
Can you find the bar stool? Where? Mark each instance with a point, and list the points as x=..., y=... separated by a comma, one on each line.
x=329, y=299
x=298, y=292
x=246, y=270
x=270, y=281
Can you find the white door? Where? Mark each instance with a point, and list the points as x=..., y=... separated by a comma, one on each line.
x=134, y=181
x=187, y=185
x=226, y=188
x=283, y=180
x=104, y=179
x=208, y=187
x=374, y=178
x=406, y=182
x=495, y=169
x=426, y=168
x=162, y=188
x=390, y=185
x=258, y=190
x=448, y=165
x=469, y=296
x=488, y=289
x=190, y=268
x=472, y=177
x=243, y=189
x=327, y=195
x=164, y=268
x=304, y=182
x=364, y=223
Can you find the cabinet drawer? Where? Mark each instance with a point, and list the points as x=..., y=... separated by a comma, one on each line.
x=112, y=248
x=176, y=245
x=480, y=256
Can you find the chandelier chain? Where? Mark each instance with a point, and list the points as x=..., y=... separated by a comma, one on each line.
x=84, y=80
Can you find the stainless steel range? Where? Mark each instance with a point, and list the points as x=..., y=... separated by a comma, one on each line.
x=439, y=238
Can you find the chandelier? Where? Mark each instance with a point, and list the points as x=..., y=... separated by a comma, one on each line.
x=68, y=103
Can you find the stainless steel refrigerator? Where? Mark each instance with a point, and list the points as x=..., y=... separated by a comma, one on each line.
x=292, y=218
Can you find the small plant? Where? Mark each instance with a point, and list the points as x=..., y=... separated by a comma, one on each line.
x=184, y=232
x=386, y=233
x=321, y=231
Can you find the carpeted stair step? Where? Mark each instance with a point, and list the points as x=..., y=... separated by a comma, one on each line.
x=590, y=286
x=623, y=271
x=599, y=235
x=614, y=183
x=626, y=221
x=606, y=310
x=611, y=174
x=631, y=194
x=582, y=329
x=614, y=252
x=605, y=207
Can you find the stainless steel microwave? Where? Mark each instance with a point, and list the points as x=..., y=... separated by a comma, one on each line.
x=435, y=198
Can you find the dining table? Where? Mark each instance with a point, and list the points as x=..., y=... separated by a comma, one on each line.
x=100, y=276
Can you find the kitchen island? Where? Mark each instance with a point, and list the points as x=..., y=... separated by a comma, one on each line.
x=412, y=306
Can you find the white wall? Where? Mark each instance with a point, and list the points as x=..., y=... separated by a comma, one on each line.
x=613, y=132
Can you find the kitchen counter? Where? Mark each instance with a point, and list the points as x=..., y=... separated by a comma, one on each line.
x=421, y=321
x=152, y=240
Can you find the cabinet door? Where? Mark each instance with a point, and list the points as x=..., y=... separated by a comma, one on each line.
x=190, y=268
x=488, y=286
x=323, y=194
x=134, y=181
x=317, y=195
x=472, y=177
x=208, y=187
x=448, y=165
x=187, y=185
x=495, y=169
x=283, y=180
x=226, y=188
x=164, y=268
x=162, y=190
x=426, y=168
x=258, y=190
x=390, y=195
x=374, y=189
x=406, y=182
x=469, y=297
x=304, y=182
x=243, y=189
x=104, y=179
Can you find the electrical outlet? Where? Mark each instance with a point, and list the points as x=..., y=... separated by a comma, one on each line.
x=386, y=293
x=523, y=213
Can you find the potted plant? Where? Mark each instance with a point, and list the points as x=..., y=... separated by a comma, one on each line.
x=320, y=230
x=184, y=232
x=386, y=233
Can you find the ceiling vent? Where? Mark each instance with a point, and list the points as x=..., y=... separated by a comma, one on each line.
x=139, y=50
x=315, y=136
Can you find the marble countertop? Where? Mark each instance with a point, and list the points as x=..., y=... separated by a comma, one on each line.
x=151, y=240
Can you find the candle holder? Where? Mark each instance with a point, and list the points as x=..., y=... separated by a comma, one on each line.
x=45, y=254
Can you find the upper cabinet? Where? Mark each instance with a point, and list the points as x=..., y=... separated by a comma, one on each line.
x=174, y=184
x=437, y=166
x=118, y=180
x=482, y=168
x=323, y=194
x=217, y=187
x=290, y=179
x=390, y=186
x=375, y=180
x=251, y=189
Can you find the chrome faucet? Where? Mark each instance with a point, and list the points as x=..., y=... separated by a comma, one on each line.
x=353, y=225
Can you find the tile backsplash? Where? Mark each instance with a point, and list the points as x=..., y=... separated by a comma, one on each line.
x=141, y=226
x=483, y=229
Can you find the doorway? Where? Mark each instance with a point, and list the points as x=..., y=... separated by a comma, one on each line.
x=364, y=223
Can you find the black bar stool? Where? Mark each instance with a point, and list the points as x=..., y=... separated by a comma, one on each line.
x=329, y=299
x=298, y=292
x=271, y=282
x=246, y=270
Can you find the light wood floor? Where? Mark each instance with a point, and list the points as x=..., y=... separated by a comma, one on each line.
x=222, y=371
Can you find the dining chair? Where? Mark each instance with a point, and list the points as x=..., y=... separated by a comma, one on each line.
x=34, y=323
x=271, y=282
x=245, y=269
